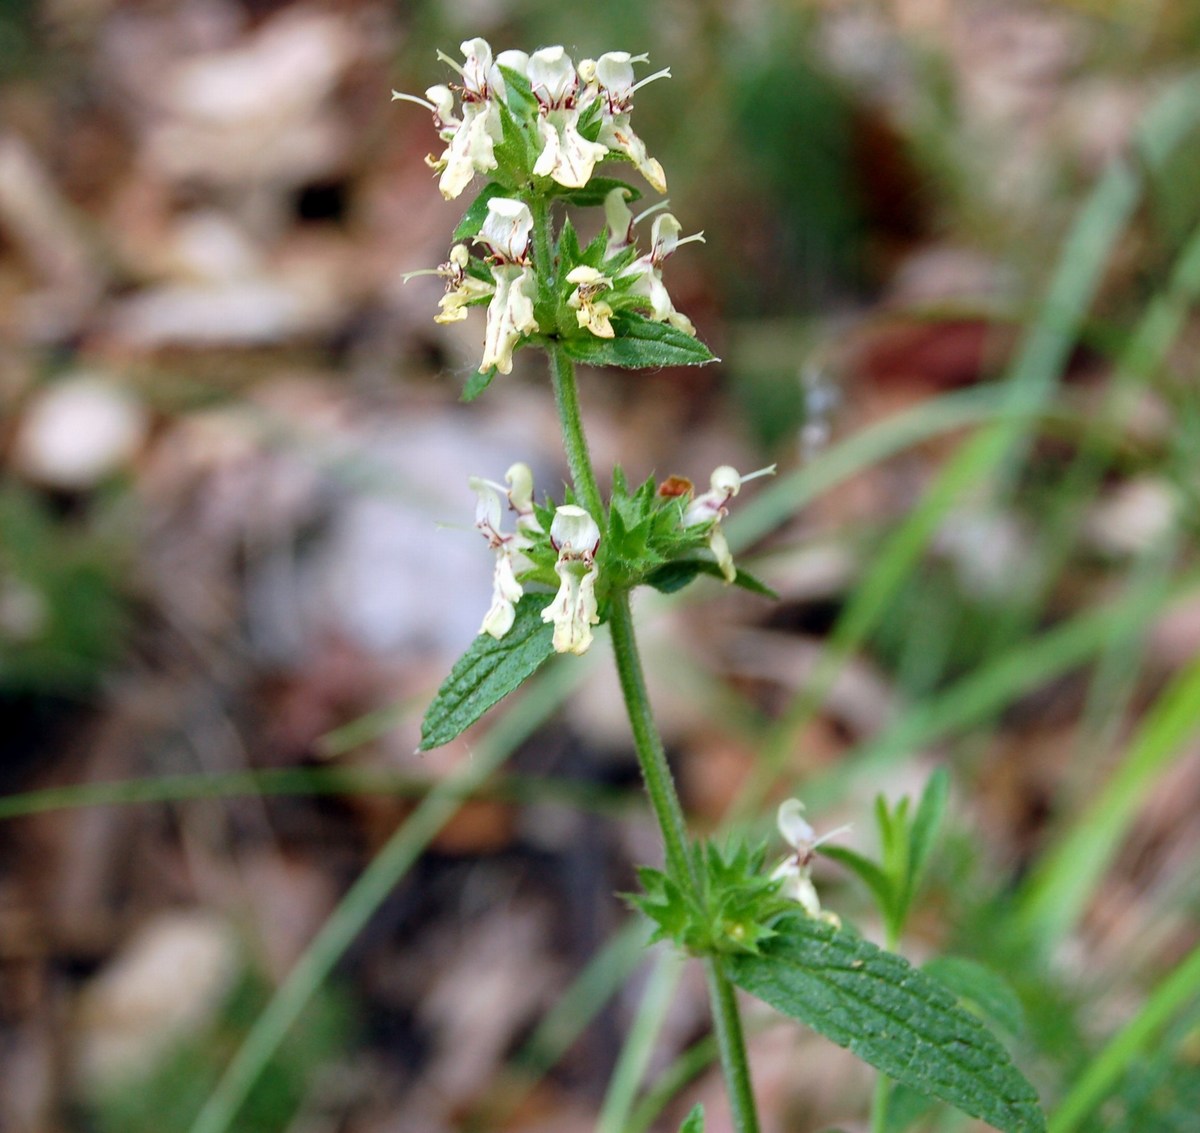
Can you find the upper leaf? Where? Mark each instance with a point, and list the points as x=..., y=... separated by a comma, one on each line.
x=675, y=575
x=640, y=343
x=888, y=1013
x=487, y=672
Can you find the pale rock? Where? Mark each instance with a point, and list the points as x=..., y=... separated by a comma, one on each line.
x=79, y=430
x=167, y=983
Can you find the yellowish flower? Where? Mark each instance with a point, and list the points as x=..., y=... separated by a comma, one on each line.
x=590, y=310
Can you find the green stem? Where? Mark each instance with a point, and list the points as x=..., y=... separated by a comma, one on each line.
x=727, y=1022
x=660, y=786
x=543, y=251
x=883, y=1084
x=879, y=1103
x=566, y=397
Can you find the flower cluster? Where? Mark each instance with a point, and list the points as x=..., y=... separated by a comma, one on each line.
x=795, y=871
x=537, y=126
x=574, y=537
x=577, y=118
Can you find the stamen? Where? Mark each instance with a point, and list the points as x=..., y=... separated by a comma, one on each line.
x=833, y=833
x=414, y=98
x=446, y=59
x=652, y=209
x=665, y=73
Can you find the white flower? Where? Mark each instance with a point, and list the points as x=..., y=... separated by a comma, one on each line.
x=619, y=220
x=566, y=156
x=507, y=229
x=506, y=590
x=590, y=310
x=712, y=507
x=519, y=478
x=612, y=77
x=575, y=536
x=795, y=869
x=647, y=270
x=509, y=315
x=471, y=139
x=461, y=289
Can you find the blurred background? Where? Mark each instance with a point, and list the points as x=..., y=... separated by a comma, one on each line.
x=951, y=262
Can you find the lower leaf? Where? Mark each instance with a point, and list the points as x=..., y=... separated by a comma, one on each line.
x=889, y=1014
x=487, y=672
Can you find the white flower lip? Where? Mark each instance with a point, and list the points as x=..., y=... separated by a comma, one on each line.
x=507, y=229
x=510, y=315
x=576, y=537
x=574, y=533
x=552, y=77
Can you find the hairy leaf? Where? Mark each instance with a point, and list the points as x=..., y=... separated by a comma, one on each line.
x=983, y=988
x=477, y=383
x=891, y=1015
x=640, y=343
x=487, y=672
x=674, y=576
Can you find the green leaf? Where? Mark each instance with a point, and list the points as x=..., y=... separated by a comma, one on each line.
x=477, y=383
x=640, y=343
x=487, y=672
x=985, y=989
x=593, y=193
x=694, y=1122
x=869, y=873
x=926, y=824
x=891, y=1015
x=675, y=575
x=519, y=95
x=476, y=213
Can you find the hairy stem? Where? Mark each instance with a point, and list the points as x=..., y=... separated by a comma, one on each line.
x=660, y=786
x=727, y=1022
x=566, y=397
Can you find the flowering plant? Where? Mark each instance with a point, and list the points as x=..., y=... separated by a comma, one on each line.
x=537, y=127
